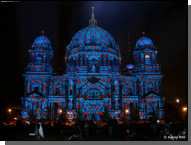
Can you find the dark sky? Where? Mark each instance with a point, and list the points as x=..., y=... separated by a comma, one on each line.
x=164, y=22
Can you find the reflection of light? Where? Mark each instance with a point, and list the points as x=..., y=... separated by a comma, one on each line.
x=129, y=66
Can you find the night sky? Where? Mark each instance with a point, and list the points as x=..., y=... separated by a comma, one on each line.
x=164, y=22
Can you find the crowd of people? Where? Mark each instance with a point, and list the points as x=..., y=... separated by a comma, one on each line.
x=85, y=127
x=112, y=126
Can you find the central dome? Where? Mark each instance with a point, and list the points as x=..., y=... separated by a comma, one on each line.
x=92, y=50
x=92, y=36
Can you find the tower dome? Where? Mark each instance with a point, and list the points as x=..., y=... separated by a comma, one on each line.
x=144, y=42
x=42, y=41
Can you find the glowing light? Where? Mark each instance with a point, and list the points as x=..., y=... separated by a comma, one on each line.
x=177, y=100
x=9, y=110
x=147, y=56
x=126, y=110
x=60, y=111
x=130, y=66
x=185, y=109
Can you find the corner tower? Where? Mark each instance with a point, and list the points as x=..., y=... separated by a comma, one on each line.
x=149, y=78
x=37, y=76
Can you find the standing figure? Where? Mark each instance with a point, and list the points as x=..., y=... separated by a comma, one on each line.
x=110, y=126
x=154, y=123
x=86, y=129
x=40, y=130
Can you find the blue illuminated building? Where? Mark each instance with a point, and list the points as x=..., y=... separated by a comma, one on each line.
x=93, y=79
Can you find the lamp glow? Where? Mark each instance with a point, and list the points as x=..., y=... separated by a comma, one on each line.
x=185, y=109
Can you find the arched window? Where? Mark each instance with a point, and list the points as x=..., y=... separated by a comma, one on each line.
x=38, y=59
x=57, y=91
x=36, y=89
x=147, y=59
x=129, y=92
x=149, y=87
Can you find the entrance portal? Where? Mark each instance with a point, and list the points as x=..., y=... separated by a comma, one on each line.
x=93, y=107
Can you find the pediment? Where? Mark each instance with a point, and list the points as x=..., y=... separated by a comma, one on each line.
x=151, y=93
x=35, y=93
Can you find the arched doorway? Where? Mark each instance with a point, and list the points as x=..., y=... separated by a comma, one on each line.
x=93, y=101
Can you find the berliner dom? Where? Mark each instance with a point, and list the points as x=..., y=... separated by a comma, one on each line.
x=93, y=81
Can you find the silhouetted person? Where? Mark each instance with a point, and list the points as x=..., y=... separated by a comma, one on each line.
x=86, y=129
x=110, y=126
x=55, y=126
x=92, y=126
x=58, y=126
x=49, y=126
x=115, y=122
x=154, y=123
x=40, y=130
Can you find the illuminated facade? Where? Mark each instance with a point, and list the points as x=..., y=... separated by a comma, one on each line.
x=92, y=79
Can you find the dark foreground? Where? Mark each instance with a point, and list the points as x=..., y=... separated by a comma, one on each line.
x=143, y=132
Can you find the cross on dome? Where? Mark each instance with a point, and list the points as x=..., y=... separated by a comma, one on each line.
x=93, y=12
x=92, y=21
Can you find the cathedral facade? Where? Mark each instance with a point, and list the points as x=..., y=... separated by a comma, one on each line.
x=93, y=82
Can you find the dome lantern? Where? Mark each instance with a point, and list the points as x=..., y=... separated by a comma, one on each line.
x=93, y=21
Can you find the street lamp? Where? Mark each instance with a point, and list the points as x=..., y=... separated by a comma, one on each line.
x=185, y=109
x=9, y=114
